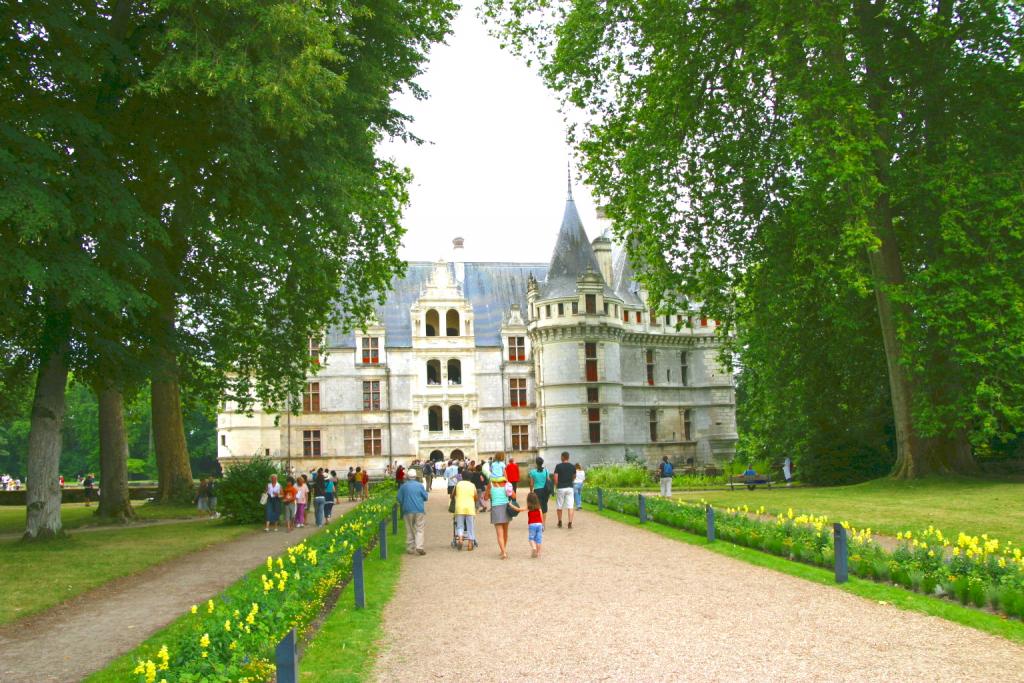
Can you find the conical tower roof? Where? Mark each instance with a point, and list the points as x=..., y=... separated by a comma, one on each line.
x=573, y=256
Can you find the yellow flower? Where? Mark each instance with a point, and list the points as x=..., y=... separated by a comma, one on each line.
x=204, y=654
x=150, y=672
x=227, y=624
x=270, y=563
x=195, y=608
x=209, y=606
x=233, y=645
x=931, y=553
x=204, y=641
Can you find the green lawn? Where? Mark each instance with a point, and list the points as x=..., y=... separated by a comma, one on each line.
x=998, y=625
x=84, y=561
x=974, y=506
x=76, y=515
x=345, y=647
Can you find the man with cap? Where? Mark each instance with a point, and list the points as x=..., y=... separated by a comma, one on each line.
x=411, y=497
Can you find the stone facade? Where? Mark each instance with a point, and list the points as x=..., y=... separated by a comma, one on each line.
x=473, y=359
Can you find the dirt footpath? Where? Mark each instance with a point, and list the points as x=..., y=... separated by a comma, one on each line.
x=86, y=633
x=609, y=602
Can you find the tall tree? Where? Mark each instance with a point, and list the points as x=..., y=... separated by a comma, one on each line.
x=710, y=125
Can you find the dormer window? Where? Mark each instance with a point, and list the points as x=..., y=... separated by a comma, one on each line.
x=575, y=307
x=591, y=301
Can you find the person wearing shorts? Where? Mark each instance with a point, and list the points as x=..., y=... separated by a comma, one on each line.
x=565, y=499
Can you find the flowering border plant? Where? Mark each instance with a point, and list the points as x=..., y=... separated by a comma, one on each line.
x=975, y=570
x=233, y=637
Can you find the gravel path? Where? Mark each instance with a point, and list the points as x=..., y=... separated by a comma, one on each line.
x=83, y=635
x=609, y=602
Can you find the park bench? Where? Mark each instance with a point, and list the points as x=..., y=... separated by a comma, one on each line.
x=750, y=481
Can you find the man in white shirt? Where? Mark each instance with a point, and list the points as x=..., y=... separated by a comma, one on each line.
x=451, y=475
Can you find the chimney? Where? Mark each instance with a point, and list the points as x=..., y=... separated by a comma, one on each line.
x=459, y=259
x=603, y=252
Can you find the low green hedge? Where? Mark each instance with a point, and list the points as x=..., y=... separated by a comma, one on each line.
x=233, y=637
x=973, y=570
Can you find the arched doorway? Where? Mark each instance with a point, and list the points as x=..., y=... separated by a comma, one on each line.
x=454, y=371
x=457, y=454
x=433, y=323
x=434, y=418
x=436, y=456
x=433, y=372
x=455, y=418
x=451, y=323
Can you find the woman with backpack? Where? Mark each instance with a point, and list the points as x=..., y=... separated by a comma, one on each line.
x=330, y=490
x=542, y=485
x=665, y=476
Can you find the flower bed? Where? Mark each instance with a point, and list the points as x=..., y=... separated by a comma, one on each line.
x=232, y=638
x=974, y=570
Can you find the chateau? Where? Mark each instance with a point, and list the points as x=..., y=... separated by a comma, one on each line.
x=466, y=359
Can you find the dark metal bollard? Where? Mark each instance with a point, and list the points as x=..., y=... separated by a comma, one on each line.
x=710, y=513
x=357, y=578
x=842, y=553
x=643, y=508
x=382, y=539
x=394, y=519
x=286, y=659
x=600, y=499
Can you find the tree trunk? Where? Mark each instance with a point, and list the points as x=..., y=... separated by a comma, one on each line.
x=43, y=497
x=173, y=467
x=115, y=503
x=915, y=457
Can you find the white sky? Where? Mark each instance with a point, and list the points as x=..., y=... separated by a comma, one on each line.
x=493, y=166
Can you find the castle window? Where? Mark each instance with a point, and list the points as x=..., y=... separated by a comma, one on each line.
x=607, y=308
x=371, y=350
x=637, y=317
x=590, y=361
x=652, y=418
x=575, y=307
x=434, y=418
x=311, y=398
x=311, y=443
x=433, y=323
x=561, y=310
x=593, y=395
x=703, y=321
x=371, y=395
x=650, y=366
x=654, y=317
x=223, y=439
x=266, y=452
x=594, y=424
x=684, y=368
x=314, y=351
x=517, y=348
x=455, y=418
x=517, y=392
x=547, y=310
x=686, y=424
x=371, y=442
x=668, y=320
x=680, y=321
x=433, y=372
x=591, y=301
x=625, y=316
x=454, y=371
x=451, y=323
x=520, y=437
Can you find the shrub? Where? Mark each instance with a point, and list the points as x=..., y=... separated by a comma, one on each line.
x=843, y=460
x=629, y=475
x=238, y=493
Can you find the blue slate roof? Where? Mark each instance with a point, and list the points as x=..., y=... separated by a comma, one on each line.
x=491, y=289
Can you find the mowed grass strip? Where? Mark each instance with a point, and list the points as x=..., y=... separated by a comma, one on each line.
x=81, y=562
x=973, y=506
x=345, y=648
x=997, y=625
x=76, y=515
